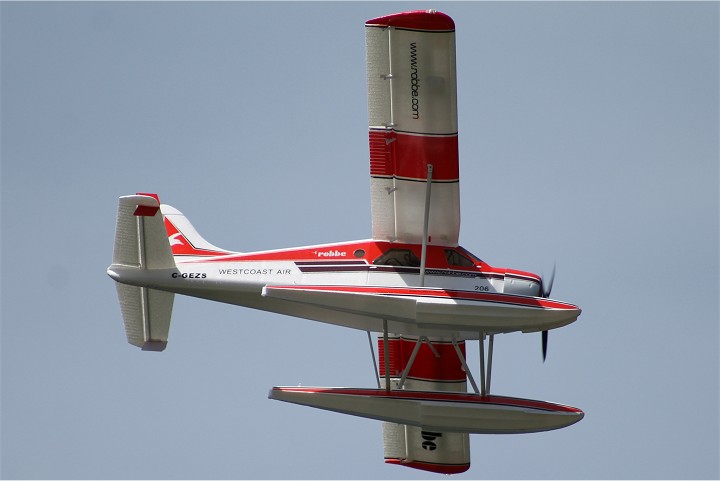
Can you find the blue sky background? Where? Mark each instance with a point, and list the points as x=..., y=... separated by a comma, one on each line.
x=588, y=137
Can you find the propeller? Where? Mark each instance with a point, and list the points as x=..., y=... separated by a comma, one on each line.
x=545, y=290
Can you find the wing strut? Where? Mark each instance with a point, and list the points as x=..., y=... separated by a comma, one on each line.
x=426, y=226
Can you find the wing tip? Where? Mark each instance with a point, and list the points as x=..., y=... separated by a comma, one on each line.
x=439, y=468
x=416, y=19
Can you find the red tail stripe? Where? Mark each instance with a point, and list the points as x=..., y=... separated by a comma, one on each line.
x=181, y=246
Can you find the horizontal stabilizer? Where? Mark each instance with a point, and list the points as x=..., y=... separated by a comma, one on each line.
x=141, y=244
x=146, y=313
x=141, y=239
x=435, y=410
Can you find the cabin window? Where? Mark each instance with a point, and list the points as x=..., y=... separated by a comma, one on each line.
x=398, y=257
x=454, y=258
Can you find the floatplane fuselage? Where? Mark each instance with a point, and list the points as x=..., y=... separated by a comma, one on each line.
x=357, y=284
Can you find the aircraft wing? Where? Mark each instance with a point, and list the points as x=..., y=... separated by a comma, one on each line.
x=412, y=113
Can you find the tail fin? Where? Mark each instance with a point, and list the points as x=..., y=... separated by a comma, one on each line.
x=184, y=239
x=141, y=243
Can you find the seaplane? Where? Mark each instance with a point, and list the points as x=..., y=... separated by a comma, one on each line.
x=421, y=293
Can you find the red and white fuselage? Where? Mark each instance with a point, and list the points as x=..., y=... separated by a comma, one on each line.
x=358, y=284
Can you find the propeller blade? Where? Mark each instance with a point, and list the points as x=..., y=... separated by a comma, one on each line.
x=547, y=288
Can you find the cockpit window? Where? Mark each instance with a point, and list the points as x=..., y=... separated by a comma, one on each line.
x=454, y=258
x=471, y=256
x=398, y=257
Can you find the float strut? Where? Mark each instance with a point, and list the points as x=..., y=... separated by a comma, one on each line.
x=412, y=358
x=372, y=353
x=386, y=354
x=490, y=356
x=464, y=365
x=483, y=388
